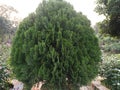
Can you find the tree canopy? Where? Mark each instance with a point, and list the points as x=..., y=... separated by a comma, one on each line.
x=7, y=25
x=7, y=11
x=111, y=9
x=6, y=32
x=56, y=45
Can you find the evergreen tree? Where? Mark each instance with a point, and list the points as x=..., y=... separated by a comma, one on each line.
x=55, y=45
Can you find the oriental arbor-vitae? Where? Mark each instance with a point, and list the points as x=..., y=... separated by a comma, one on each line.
x=56, y=45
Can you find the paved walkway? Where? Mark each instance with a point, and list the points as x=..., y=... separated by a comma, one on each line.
x=17, y=85
x=86, y=88
x=99, y=86
x=95, y=84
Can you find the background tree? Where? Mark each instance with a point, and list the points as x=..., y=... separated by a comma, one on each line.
x=102, y=27
x=110, y=46
x=8, y=22
x=56, y=45
x=7, y=30
x=101, y=7
x=7, y=11
x=110, y=65
x=111, y=9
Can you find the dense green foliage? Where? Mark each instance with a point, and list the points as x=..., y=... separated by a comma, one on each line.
x=102, y=27
x=56, y=45
x=4, y=71
x=111, y=9
x=110, y=69
x=3, y=75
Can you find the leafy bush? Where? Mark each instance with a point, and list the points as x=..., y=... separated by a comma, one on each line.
x=4, y=76
x=109, y=44
x=56, y=45
x=113, y=48
x=110, y=69
x=4, y=71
